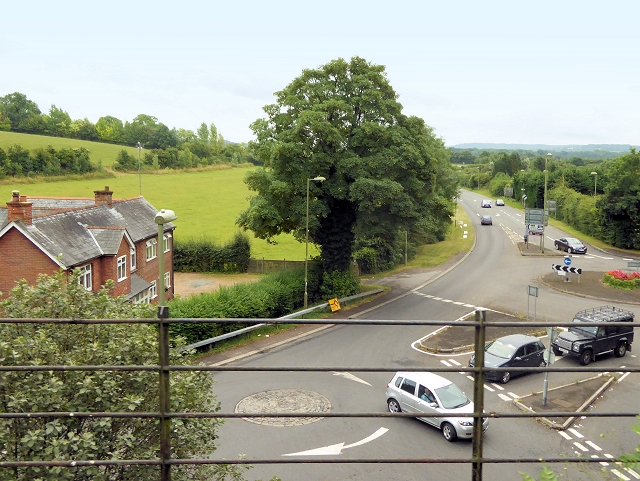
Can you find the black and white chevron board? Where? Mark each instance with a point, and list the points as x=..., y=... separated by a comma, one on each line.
x=572, y=270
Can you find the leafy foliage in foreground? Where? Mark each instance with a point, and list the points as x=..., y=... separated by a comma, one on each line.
x=71, y=438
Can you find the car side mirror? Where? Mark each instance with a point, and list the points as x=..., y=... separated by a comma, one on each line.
x=433, y=404
x=518, y=358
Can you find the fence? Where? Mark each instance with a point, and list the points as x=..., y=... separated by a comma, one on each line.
x=267, y=266
x=165, y=416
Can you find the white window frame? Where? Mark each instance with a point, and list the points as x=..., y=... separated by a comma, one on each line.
x=167, y=280
x=153, y=291
x=85, y=279
x=152, y=249
x=166, y=242
x=122, y=268
x=132, y=254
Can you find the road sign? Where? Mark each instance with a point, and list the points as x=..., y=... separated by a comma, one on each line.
x=567, y=261
x=334, y=304
x=536, y=216
x=533, y=291
x=572, y=270
x=633, y=264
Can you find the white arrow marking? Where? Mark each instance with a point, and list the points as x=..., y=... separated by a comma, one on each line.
x=336, y=449
x=351, y=377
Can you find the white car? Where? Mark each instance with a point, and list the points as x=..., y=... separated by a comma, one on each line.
x=499, y=202
x=428, y=393
x=485, y=203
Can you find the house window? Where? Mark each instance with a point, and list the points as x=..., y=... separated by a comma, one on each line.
x=122, y=268
x=166, y=238
x=85, y=278
x=167, y=280
x=153, y=293
x=132, y=254
x=152, y=249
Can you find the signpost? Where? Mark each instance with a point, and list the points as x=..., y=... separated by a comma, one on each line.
x=532, y=291
x=567, y=261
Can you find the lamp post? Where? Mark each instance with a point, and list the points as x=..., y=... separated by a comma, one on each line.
x=306, y=248
x=161, y=219
x=139, y=146
x=544, y=200
x=595, y=183
x=478, y=177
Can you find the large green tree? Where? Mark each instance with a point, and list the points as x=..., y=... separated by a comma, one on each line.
x=385, y=172
x=52, y=438
x=23, y=114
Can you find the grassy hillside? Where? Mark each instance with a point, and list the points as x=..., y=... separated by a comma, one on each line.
x=207, y=203
x=100, y=153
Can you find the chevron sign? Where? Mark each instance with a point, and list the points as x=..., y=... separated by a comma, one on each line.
x=572, y=270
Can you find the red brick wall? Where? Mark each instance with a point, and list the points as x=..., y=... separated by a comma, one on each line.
x=21, y=259
x=149, y=271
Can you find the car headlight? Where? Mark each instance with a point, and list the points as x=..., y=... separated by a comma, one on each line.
x=465, y=423
x=575, y=348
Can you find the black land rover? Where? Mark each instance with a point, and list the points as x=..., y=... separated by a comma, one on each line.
x=586, y=342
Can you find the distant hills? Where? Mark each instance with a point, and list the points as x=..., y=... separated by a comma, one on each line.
x=622, y=148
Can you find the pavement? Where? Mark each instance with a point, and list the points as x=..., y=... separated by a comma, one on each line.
x=574, y=397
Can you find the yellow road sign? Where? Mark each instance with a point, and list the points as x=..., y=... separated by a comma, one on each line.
x=334, y=304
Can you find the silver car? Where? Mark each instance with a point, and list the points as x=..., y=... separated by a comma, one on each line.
x=428, y=393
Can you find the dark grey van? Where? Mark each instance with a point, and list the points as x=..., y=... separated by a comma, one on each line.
x=586, y=342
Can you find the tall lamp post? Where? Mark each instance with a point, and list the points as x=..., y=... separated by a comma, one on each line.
x=478, y=177
x=161, y=219
x=595, y=183
x=544, y=200
x=306, y=248
x=139, y=146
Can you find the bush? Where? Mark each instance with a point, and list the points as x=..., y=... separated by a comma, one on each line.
x=622, y=280
x=339, y=284
x=204, y=256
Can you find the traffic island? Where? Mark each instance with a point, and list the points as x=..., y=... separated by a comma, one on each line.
x=575, y=397
x=533, y=249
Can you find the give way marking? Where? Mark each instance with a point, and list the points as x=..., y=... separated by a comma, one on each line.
x=351, y=377
x=336, y=449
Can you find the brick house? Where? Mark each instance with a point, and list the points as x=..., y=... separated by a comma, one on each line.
x=105, y=238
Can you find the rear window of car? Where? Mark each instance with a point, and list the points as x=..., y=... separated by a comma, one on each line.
x=409, y=386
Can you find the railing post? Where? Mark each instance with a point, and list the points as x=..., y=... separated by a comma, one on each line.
x=164, y=392
x=478, y=395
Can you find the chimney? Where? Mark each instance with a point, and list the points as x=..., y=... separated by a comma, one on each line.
x=103, y=197
x=18, y=209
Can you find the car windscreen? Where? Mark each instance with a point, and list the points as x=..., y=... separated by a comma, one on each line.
x=572, y=241
x=593, y=330
x=451, y=397
x=501, y=349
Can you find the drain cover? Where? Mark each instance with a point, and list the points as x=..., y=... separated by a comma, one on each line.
x=283, y=401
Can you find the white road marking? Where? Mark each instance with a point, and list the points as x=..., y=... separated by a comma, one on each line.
x=504, y=397
x=336, y=449
x=497, y=386
x=453, y=361
x=459, y=303
x=632, y=473
x=470, y=378
x=514, y=396
x=600, y=257
x=580, y=447
x=468, y=305
x=620, y=475
x=488, y=388
x=445, y=363
x=593, y=445
x=576, y=433
x=623, y=376
x=437, y=298
x=351, y=377
x=564, y=435
x=447, y=300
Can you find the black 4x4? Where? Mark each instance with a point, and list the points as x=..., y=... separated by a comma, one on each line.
x=586, y=342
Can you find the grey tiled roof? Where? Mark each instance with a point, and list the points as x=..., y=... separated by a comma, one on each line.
x=109, y=240
x=138, y=284
x=139, y=217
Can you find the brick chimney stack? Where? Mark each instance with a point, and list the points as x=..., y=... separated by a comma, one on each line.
x=104, y=197
x=18, y=209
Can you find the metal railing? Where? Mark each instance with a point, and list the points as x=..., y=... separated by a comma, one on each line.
x=164, y=414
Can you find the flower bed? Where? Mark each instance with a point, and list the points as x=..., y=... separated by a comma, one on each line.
x=622, y=280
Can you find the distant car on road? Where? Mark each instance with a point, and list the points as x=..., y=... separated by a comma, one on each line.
x=570, y=245
x=428, y=393
x=499, y=202
x=485, y=203
x=486, y=220
x=515, y=350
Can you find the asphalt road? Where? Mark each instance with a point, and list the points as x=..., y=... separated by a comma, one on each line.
x=492, y=276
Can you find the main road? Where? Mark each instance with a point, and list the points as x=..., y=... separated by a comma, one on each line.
x=492, y=276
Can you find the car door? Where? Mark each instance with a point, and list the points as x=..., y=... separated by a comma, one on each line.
x=423, y=404
x=519, y=359
x=533, y=352
x=407, y=395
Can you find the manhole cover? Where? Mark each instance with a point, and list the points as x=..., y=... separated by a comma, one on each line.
x=283, y=401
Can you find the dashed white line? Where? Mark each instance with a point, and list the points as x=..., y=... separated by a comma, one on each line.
x=632, y=473
x=459, y=303
x=514, y=396
x=453, y=361
x=447, y=300
x=468, y=305
x=580, y=447
x=504, y=397
x=437, y=298
x=470, y=378
x=445, y=363
x=575, y=433
x=593, y=445
x=497, y=386
x=563, y=434
x=488, y=388
x=620, y=475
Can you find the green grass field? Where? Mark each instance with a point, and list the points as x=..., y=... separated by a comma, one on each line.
x=207, y=203
x=100, y=153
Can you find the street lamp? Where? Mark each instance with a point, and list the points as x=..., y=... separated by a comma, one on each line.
x=161, y=219
x=595, y=183
x=139, y=146
x=306, y=248
x=478, y=177
x=544, y=199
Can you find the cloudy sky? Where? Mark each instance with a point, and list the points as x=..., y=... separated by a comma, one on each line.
x=552, y=72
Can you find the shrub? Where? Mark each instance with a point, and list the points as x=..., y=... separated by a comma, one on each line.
x=622, y=280
x=339, y=284
x=203, y=255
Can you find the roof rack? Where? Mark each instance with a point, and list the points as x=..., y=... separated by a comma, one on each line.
x=605, y=314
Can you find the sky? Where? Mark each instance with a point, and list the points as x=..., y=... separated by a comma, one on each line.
x=546, y=72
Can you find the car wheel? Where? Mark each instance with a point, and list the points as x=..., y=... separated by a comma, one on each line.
x=585, y=357
x=543, y=363
x=393, y=406
x=505, y=377
x=621, y=350
x=557, y=246
x=570, y=250
x=449, y=432
x=557, y=351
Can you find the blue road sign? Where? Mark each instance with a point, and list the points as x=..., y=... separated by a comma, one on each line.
x=567, y=261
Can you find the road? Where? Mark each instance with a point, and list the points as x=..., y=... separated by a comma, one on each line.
x=492, y=276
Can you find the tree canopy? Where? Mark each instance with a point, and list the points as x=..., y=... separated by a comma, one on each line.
x=386, y=173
